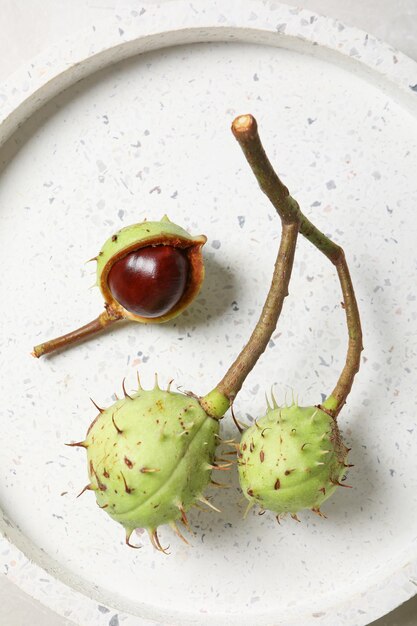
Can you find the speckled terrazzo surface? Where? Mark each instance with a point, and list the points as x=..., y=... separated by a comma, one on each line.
x=85, y=166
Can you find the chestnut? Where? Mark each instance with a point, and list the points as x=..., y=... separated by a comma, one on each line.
x=147, y=272
x=149, y=282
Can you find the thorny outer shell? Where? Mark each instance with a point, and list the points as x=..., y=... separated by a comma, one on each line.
x=149, y=457
x=144, y=234
x=291, y=459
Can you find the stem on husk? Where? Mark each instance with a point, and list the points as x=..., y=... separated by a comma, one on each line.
x=289, y=210
x=105, y=319
x=220, y=398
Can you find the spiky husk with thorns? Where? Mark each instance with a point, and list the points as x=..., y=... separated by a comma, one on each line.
x=291, y=459
x=150, y=457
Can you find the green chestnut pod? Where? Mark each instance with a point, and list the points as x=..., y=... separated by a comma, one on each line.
x=150, y=457
x=291, y=459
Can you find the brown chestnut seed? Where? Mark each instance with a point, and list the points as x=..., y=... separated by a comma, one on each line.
x=150, y=281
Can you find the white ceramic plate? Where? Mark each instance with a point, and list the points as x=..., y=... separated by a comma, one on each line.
x=149, y=135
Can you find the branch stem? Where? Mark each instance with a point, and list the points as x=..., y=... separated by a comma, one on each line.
x=221, y=397
x=95, y=326
x=288, y=209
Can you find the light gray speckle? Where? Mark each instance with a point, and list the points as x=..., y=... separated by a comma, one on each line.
x=310, y=120
x=376, y=175
x=157, y=189
x=331, y=184
x=280, y=28
x=413, y=87
x=103, y=609
x=216, y=244
x=114, y=620
x=241, y=219
x=255, y=77
x=121, y=32
x=120, y=214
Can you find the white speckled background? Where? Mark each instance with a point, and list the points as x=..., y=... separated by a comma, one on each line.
x=108, y=165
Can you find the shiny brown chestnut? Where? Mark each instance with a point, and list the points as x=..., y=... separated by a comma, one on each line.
x=149, y=282
x=147, y=272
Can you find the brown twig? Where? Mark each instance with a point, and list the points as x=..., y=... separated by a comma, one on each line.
x=219, y=399
x=288, y=209
x=105, y=319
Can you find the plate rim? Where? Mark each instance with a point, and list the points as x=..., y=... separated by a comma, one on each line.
x=120, y=37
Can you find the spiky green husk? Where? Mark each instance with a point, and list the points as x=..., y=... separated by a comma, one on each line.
x=150, y=458
x=291, y=459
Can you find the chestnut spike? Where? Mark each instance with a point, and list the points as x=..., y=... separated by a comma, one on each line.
x=99, y=409
x=224, y=467
x=169, y=385
x=274, y=402
x=127, y=488
x=268, y=406
x=184, y=518
x=79, y=444
x=248, y=508
x=317, y=511
x=156, y=385
x=89, y=487
x=339, y=484
x=127, y=540
x=140, y=388
x=149, y=470
x=238, y=426
x=208, y=503
x=178, y=532
x=115, y=425
x=126, y=395
x=295, y=517
x=199, y=508
x=314, y=415
x=218, y=485
x=153, y=535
